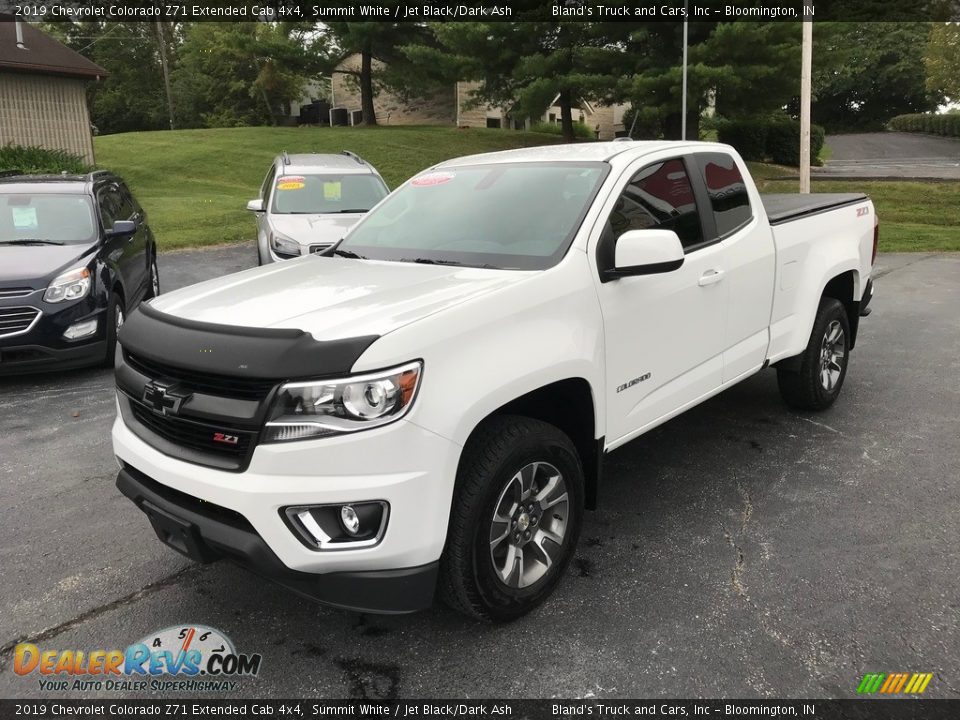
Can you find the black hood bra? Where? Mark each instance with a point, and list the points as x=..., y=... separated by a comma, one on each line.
x=231, y=350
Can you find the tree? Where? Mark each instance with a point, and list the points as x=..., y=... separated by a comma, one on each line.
x=132, y=96
x=526, y=65
x=942, y=61
x=380, y=41
x=241, y=73
x=866, y=73
x=734, y=60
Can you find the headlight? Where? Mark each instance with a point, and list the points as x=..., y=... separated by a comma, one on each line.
x=71, y=285
x=283, y=244
x=331, y=407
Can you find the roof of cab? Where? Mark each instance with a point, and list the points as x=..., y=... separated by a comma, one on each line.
x=309, y=163
x=51, y=183
x=577, y=152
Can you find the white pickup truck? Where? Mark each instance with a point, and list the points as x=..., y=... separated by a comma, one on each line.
x=427, y=407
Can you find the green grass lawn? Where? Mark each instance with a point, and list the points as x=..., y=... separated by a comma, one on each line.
x=914, y=216
x=195, y=184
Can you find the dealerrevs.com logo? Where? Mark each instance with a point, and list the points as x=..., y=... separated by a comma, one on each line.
x=189, y=658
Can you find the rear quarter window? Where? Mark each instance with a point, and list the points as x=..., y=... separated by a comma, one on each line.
x=727, y=190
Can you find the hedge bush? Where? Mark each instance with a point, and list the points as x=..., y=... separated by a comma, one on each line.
x=748, y=137
x=777, y=139
x=580, y=129
x=33, y=159
x=947, y=124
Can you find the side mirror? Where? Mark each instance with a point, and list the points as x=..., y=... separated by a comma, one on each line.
x=122, y=227
x=646, y=252
x=255, y=205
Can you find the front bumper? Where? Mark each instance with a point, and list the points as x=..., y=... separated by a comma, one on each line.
x=43, y=347
x=410, y=468
x=207, y=533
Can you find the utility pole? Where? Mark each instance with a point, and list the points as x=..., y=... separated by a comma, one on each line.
x=806, y=71
x=683, y=102
x=162, y=47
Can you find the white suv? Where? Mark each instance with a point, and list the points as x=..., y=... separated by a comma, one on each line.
x=308, y=202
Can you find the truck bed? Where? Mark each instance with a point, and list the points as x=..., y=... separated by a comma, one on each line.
x=784, y=207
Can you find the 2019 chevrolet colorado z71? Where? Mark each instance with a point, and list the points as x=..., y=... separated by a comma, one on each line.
x=428, y=405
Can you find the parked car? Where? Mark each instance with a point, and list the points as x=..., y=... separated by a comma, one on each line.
x=76, y=256
x=308, y=202
x=429, y=405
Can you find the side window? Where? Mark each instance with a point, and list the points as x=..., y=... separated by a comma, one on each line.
x=107, y=203
x=127, y=201
x=727, y=191
x=268, y=183
x=659, y=197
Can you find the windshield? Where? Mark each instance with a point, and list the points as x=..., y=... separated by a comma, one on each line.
x=61, y=219
x=317, y=194
x=510, y=216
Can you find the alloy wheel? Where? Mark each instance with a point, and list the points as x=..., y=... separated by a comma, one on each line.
x=529, y=524
x=832, y=355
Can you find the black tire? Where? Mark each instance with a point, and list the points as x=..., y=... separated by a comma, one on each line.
x=808, y=388
x=153, y=280
x=114, y=310
x=469, y=582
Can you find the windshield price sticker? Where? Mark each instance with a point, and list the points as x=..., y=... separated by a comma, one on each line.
x=430, y=179
x=332, y=191
x=290, y=182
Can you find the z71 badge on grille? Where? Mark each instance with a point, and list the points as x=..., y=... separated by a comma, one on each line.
x=224, y=438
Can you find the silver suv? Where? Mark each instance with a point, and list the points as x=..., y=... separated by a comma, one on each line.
x=308, y=202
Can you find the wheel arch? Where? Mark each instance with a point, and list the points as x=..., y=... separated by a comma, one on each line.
x=569, y=405
x=845, y=288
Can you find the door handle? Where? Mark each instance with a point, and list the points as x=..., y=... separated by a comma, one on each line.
x=710, y=277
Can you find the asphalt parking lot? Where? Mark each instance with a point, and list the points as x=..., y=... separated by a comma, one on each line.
x=892, y=155
x=742, y=550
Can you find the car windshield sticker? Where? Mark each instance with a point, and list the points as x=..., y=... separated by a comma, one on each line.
x=24, y=218
x=290, y=182
x=435, y=178
x=331, y=191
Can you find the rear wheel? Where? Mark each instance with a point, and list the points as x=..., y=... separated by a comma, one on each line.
x=816, y=384
x=515, y=521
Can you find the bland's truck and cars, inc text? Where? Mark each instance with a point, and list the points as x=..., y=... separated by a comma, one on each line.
x=426, y=406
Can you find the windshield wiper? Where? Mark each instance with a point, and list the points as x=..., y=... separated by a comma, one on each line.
x=30, y=241
x=348, y=254
x=432, y=261
x=350, y=210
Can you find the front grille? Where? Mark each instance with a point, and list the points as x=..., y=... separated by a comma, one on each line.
x=15, y=292
x=314, y=249
x=207, y=383
x=194, y=435
x=17, y=319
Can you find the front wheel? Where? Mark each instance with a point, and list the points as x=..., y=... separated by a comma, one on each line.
x=823, y=365
x=515, y=520
x=115, y=318
x=153, y=289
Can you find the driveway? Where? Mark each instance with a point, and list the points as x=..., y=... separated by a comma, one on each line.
x=742, y=550
x=892, y=155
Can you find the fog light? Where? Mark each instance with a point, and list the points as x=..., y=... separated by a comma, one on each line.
x=348, y=516
x=339, y=527
x=81, y=329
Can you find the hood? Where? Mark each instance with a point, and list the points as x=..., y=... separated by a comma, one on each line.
x=333, y=298
x=36, y=265
x=314, y=229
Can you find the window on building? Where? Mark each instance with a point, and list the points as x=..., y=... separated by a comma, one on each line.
x=493, y=122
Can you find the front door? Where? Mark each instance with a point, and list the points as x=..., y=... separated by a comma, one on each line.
x=665, y=332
